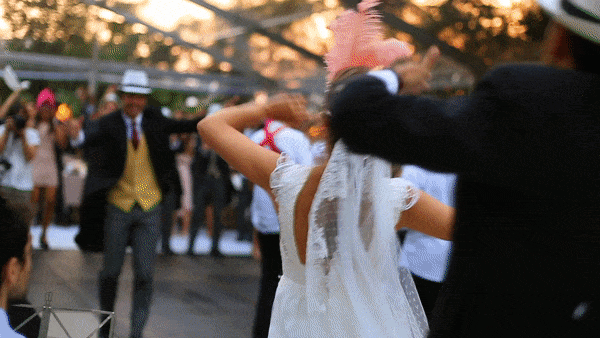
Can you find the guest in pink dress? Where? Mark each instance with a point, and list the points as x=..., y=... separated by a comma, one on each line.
x=45, y=171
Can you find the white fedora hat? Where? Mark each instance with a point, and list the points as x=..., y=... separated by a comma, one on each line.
x=580, y=16
x=135, y=82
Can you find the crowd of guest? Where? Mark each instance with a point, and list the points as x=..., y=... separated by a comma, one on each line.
x=203, y=185
x=524, y=256
x=194, y=188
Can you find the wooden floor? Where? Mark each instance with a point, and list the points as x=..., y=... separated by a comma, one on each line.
x=193, y=296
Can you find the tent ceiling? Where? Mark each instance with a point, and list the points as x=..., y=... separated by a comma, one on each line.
x=247, y=45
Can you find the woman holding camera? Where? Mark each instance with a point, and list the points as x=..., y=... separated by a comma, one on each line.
x=18, y=144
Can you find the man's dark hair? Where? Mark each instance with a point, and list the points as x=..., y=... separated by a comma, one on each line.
x=585, y=53
x=13, y=234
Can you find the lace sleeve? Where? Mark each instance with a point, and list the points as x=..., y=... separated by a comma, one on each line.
x=404, y=195
x=287, y=174
x=411, y=196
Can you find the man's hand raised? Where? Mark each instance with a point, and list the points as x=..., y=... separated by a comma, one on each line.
x=74, y=126
x=416, y=75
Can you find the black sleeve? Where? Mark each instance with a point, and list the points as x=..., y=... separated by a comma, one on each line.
x=442, y=135
x=172, y=126
x=523, y=126
x=95, y=131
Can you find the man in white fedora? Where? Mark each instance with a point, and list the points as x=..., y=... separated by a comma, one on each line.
x=132, y=169
x=526, y=147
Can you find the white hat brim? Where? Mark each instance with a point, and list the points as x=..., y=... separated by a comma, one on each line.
x=136, y=90
x=585, y=28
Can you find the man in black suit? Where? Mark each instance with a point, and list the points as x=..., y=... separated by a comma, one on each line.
x=525, y=144
x=133, y=168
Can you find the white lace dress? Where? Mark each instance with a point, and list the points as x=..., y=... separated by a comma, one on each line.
x=350, y=285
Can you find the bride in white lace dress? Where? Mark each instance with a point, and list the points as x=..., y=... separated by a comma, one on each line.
x=337, y=221
x=339, y=263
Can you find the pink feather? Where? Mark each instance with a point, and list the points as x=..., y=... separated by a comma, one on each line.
x=359, y=41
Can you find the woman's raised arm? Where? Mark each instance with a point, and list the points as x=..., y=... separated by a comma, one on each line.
x=430, y=217
x=12, y=98
x=222, y=132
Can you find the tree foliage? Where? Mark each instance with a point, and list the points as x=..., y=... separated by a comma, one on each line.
x=480, y=28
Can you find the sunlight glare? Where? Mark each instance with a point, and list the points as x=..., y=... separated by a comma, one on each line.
x=166, y=14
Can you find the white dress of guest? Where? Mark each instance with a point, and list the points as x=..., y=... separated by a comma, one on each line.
x=350, y=285
x=20, y=175
x=45, y=170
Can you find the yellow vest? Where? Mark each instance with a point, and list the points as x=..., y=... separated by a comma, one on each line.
x=138, y=183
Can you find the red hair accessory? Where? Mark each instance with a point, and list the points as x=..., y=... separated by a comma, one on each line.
x=46, y=96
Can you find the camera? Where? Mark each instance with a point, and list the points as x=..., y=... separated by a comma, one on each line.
x=20, y=121
x=14, y=112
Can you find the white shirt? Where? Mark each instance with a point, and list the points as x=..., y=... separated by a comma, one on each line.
x=427, y=256
x=20, y=175
x=138, y=125
x=388, y=77
x=297, y=146
x=5, y=330
x=319, y=151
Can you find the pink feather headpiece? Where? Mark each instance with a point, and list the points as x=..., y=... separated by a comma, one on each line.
x=359, y=41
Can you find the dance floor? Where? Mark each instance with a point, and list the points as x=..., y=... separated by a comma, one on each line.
x=62, y=238
x=194, y=296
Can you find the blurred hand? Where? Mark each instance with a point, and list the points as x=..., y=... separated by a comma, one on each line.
x=10, y=124
x=31, y=111
x=74, y=126
x=288, y=108
x=416, y=75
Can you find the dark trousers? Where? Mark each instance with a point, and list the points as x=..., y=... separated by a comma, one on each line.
x=168, y=208
x=207, y=190
x=428, y=292
x=271, y=270
x=144, y=227
x=244, y=223
x=91, y=223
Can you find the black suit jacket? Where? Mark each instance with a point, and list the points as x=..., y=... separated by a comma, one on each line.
x=526, y=147
x=200, y=164
x=201, y=161
x=108, y=138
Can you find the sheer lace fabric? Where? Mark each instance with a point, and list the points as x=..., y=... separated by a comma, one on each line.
x=350, y=286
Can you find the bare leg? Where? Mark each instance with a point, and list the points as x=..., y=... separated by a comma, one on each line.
x=209, y=220
x=35, y=202
x=174, y=220
x=35, y=199
x=48, y=215
x=256, y=253
x=186, y=220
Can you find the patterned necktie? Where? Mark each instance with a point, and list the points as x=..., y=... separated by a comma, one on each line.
x=135, y=140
